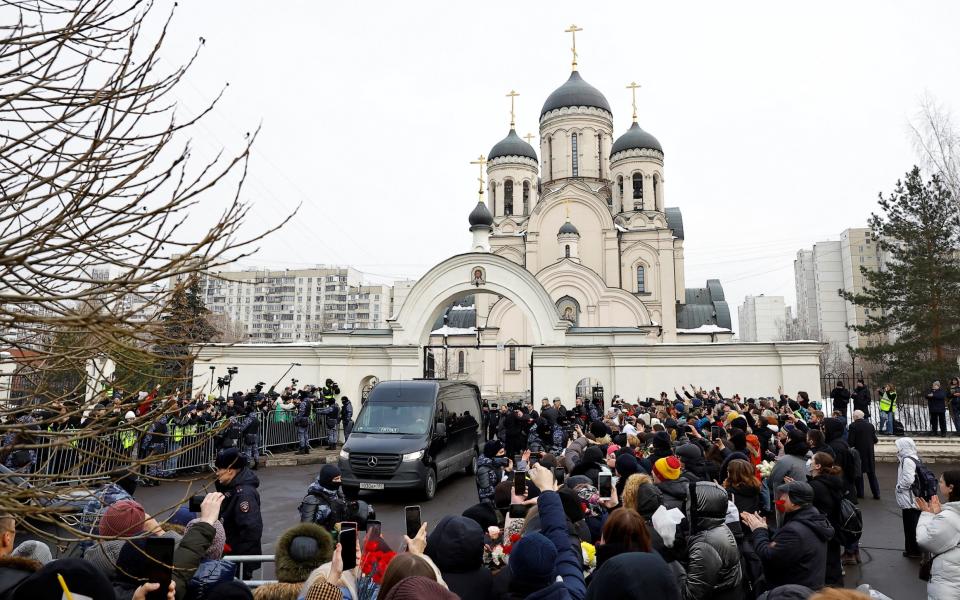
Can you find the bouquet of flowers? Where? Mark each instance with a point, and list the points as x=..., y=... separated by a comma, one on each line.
x=765, y=468
x=373, y=564
x=494, y=557
x=589, y=556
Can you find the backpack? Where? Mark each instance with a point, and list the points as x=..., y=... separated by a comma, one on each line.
x=925, y=484
x=849, y=525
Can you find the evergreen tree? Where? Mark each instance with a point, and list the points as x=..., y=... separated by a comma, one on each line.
x=186, y=322
x=912, y=305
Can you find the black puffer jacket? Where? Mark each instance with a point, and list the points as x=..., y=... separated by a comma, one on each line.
x=675, y=493
x=797, y=552
x=713, y=569
x=456, y=546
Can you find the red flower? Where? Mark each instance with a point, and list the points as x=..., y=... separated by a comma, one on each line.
x=374, y=563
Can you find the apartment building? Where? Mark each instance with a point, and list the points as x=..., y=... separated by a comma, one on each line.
x=762, y=318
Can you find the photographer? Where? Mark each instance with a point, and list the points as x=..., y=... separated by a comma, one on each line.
x=303, y=403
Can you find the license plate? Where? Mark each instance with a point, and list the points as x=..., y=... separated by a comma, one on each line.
x=371, y=486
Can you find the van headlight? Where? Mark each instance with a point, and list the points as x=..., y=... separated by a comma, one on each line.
x=344, y=454
x=413, y=456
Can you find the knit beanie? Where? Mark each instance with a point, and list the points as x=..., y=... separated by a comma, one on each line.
x=667, y=468
x=33, y=550
x=231, y=590
x=662, y=441
x=689, y=452
x=731, y=416
x=626, y=466
x=215, y=551
x=491, y=448
x=592, y=454
x=598, y=429
x=484, y=514
x=182, y=517
x=738, y=438
x=327, y=474
x=122, y=519
x=533, y=560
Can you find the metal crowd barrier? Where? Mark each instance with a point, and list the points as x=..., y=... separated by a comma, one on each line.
x=241, y=559
x=83, y=458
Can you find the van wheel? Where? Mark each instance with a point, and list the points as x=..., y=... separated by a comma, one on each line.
x=472, y=467
x=430, y=485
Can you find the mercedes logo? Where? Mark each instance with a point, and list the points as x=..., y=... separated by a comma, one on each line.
x=372, y=461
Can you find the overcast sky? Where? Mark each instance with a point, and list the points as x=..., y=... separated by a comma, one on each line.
x=779, y=126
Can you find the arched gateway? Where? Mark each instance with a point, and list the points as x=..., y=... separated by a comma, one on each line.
x=470, y=273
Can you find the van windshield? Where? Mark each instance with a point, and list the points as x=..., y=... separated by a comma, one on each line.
x=401, y=418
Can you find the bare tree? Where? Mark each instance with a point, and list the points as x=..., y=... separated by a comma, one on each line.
x=937, y=142
x=230, y=331
x=96, y=178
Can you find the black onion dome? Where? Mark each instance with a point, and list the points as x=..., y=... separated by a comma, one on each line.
x=512, y=145
x=636, y=139
x=480, y=216
x=568, y=228
x=575, y=92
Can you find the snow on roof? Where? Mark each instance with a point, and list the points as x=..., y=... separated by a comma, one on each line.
x=447, y=330
x=471, y=307
x=706, y=329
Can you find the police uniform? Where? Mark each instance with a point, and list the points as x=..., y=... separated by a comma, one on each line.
x=250, y=434
x=302, y=422
x=346, y=417
x=330, y=416
x=156, y=444
x=240, y=510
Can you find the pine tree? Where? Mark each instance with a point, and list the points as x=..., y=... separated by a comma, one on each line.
x=186, y=322
x=912, y=304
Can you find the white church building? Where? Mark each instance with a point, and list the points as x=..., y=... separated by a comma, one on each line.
x=574, y=283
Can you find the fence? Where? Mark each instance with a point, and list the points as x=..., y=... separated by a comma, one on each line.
x=912, y=407
x=85, y=457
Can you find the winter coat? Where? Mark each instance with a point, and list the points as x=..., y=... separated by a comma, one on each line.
x=209, y=574
x=634, y=575
x=188, y=555
x=828, y=492
x=940, y=536
x=937, y=401
x=797, y=552
x=13, y=570
x=323, y=506
x=675, y=493
x=787, y=465
x=713, y=567
x=573, y=453
x=240, y=512
x=861, y=400
x=746, y=497
x=843, y=458
x=291, y=572
x=456, y=546
x=553, y=524
x=841, y=399
x=906, y=472
x=862, y=435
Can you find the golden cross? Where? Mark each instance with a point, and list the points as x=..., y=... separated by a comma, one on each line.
x=573, y=29
x=512, y=95
x=482, y=160
x=529, y=137
x=633, y=89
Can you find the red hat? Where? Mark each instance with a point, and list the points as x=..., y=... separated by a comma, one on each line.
x=123, y=518
x=667, y=468
x=612, y=448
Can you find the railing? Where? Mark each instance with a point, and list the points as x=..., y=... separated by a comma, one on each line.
x=82, y=458
x=241, y=559
x=912, y=408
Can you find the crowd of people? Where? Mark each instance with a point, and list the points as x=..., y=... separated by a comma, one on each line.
x=694, y=497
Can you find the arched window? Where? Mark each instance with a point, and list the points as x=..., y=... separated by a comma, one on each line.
x=641, y=280
x=638, y=187
x=526, y=198
x=550, y=157
x=493, y=197
x=620, y=186
x=461, y=362
x=575, y=166
x=508, y=197
x=513, y=358
x=599, y=155
x=656, y=193
x=566, y=251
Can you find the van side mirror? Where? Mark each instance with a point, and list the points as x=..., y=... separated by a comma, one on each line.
x=440, y=430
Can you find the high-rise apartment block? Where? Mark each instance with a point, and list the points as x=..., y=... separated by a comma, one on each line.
x=762, y=319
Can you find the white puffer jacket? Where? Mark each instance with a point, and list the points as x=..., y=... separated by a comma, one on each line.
x=940, y=535
x=907, y=472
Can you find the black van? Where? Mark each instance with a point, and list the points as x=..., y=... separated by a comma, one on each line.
x=412, y=434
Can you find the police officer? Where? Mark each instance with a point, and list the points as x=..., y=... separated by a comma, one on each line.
x=155, y=446
x=250, y=434
x=346, y=417
x=330, y=415
x=303, y=404
x=240, y=510
x=325, y=503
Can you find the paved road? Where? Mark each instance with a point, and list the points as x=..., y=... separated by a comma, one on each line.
x=282, y=488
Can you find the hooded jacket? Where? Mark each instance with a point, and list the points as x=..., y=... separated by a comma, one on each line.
x=797, y=552
x=833, y=434
x=713, y=568
x=906, y=472
x=13, y=570
x=456, y=546
x=292, y=568
x=940, y=536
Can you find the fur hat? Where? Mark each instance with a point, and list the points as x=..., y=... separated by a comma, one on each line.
x=294, y=561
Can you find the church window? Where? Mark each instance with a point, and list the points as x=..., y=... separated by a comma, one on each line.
x=566, y=251
x=656, y=193
x=526, y=198
x=513, y=358
x=599, y=155
x=573, y=151
x=461, y=362
x=508, y=197
x=641, y=280
x=638, y=188
x=550, y=157
x=493, y=197
x=620, y=186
